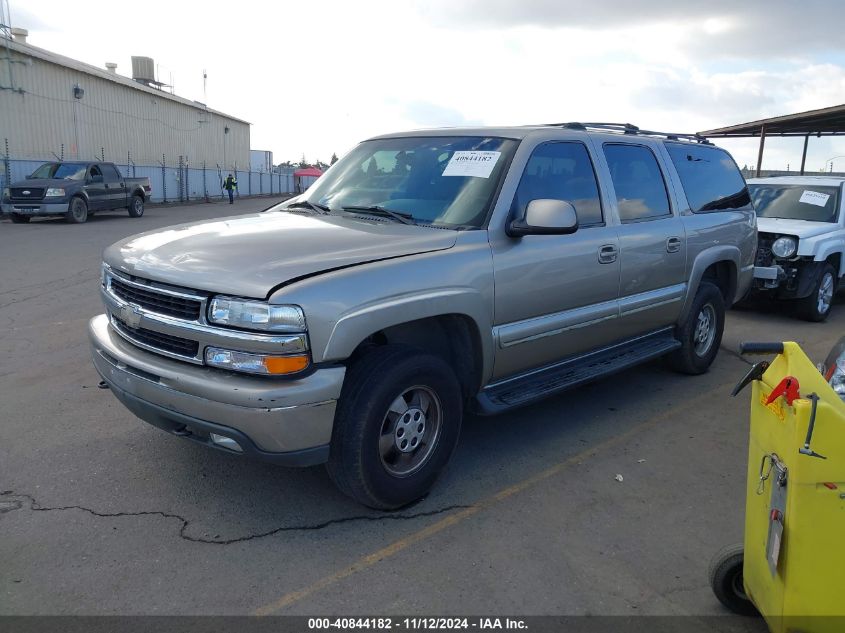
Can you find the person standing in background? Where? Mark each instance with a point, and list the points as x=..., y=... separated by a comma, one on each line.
x=230, y=184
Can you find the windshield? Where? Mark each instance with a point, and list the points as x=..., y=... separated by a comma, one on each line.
x=796, y=202
x=443, y=181
x=66, y=171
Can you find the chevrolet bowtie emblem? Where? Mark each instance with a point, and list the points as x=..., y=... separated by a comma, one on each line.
x=130, y=314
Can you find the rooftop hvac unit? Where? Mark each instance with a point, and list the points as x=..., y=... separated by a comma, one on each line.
x=143, y=69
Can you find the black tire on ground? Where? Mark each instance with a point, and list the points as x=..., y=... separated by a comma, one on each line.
x=701, y=333
x=816, y=306
x=17, y=218
x=78, y=212
x=136, y=207
x=397, y=424
x=726, y=581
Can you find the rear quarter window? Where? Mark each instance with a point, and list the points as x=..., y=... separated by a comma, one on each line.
x=710, y=178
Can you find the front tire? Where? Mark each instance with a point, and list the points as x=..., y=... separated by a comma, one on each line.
x=17, y=218
x=78, y=212
x=817, y=305
x=136, y=207
x=726, y=581
x=701, y=333
x=397, y=425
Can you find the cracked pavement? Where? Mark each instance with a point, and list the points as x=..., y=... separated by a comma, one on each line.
x=103, y=514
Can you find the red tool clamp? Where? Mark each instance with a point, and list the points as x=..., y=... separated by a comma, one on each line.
x=788, y=388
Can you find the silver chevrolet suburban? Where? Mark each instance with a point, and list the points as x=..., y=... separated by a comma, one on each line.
x=426, y=274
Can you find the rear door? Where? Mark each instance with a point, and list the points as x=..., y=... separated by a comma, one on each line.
x=652, y=241
x=115, y=194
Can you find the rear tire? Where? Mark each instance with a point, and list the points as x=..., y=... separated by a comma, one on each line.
x=136, y=207
x=78, y=212
x=726, y=581
x=17, y=218
x=397, y=424
x=817, y=305
x=701, y=333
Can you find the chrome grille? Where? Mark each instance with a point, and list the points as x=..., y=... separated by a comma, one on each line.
x=155, y=301
x=157, y=340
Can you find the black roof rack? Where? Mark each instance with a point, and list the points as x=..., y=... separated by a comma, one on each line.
x=629, y=128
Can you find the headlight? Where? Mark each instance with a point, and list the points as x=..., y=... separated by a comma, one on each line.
x=256, y=315
x=105, y=270
x=837, y=380
x=54, y=192
x=255, y=363
x=833, y=368
x=785, y=247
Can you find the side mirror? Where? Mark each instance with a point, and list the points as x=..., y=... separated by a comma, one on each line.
x=545, y=217
x=98, y=178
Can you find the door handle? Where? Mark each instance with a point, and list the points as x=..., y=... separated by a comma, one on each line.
x=607, y=254
x=673, y=244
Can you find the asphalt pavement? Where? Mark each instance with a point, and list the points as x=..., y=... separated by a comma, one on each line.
x=101, y=513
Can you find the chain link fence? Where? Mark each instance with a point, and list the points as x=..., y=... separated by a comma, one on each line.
x=173, y=178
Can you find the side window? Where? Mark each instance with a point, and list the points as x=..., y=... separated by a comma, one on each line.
x=710, y=177
x=110, y=173
x=561, y=171
x=640, y=188
x=95, y=171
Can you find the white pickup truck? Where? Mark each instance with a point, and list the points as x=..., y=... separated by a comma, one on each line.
x=801, y=240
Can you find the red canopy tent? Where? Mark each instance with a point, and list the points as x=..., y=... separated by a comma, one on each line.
x=305, y=177
x=308, y=171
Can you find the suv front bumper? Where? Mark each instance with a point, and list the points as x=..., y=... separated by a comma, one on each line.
x=287, y=421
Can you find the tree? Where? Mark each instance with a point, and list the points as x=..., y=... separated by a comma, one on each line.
x=333, y=159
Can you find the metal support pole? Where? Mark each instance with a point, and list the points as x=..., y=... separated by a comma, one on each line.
x=249, y=181
x=103, y=154
x=181, y=182
x=62, y=153
x=187, y=179
x=804, y=154
x=204, y=183
x=760, y=151
x=163, y=180
x=237, y=189
x=7, y=169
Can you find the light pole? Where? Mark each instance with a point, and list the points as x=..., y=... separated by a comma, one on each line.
x=830, y=160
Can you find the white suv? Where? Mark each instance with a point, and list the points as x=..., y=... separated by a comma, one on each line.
x=801, y=240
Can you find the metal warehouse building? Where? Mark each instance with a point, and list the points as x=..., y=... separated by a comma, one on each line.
x=53, y=107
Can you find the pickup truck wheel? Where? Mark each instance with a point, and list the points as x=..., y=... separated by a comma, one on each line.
x=701, y=333
x=136, y=207
x=397, y=424
x=17, y=218
x=78, y=212
x=816, y=306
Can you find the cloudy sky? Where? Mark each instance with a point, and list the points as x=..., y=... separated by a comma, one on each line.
x=316, y=77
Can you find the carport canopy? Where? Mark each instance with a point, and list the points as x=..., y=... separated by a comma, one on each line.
x=823, y=122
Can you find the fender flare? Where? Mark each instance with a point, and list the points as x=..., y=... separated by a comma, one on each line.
x=832, y=248
x=705, y=259
x=363, y=321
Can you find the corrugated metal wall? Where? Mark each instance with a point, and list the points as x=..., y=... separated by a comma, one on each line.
x=113, y=119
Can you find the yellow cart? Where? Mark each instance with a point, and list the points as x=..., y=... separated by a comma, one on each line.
x=791, y=568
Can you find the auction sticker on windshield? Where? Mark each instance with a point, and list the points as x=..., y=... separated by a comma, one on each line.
x=478, y=164
x=814, y=197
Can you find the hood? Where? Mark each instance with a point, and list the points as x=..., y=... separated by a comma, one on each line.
x=799, y=228
x=249, y=255
x=42, y=182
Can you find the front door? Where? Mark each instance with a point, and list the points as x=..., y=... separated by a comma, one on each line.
x=556, y=295
x=95, y=187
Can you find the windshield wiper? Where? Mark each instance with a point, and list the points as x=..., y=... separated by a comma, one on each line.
x=304, y=204
x=399, y=216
